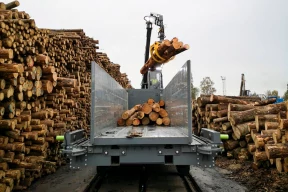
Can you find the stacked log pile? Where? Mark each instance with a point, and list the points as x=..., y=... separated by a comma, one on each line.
x=45, y=80
x=257, y=128
x=149, y=113
x=163, y=53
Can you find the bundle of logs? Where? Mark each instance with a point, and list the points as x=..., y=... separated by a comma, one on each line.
x=257, y=129
x=45, y=82
x=149, y=113
x=163, y=53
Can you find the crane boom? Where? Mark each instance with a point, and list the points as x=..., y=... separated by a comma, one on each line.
x=155, y=19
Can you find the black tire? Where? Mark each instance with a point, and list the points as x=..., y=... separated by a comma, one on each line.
x=183, y=169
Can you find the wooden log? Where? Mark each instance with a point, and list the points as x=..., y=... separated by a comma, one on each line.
x=261, y=140
x=223, y=99
x=66, y=82
x=202, y=101
x=140, y=114
x=283, y=124
x=11, y=68
x=239, y=107
x=6, y=53
x=161, y=103
x=128, y=113
x=129, y=121
x=261, y=119
x=271, y=125
x=136, y=122
x=242, y=129
x=226, y=126
x=12, y=5
x=156, y=107
x=163, y=113
x=222, y=106
x=166, y=120
x=265, y=102
x=222, y=113
x=153, y=116
x=260, y=156
x=42, y=59
x=221, y=119
x=159, y=121
x=146, y=108
x=145, y=121
x=248, y=115
x=230, y=144
x=276, y=150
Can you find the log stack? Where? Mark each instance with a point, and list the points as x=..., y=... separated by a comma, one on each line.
x=149, y=113
x=45, y=80
x=257, y=128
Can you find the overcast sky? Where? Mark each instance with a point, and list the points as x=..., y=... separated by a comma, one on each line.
x=226, y=37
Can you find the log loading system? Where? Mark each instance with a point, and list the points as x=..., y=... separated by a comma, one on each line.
x=109, y=144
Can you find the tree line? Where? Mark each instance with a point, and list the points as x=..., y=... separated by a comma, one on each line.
x=207, y=88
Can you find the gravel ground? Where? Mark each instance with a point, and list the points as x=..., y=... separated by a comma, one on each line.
x=213, y=180
x=64, y=180
x=228, y=176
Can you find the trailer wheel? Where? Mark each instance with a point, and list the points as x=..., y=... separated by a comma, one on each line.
x=183, y=169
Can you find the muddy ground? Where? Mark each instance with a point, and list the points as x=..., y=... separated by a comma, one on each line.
x=64, y=180
x=256, y=180
x=229, y=175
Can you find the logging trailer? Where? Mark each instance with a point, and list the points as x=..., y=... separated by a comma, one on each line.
x=108, y=144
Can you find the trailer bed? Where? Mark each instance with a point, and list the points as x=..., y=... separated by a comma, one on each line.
x=149, y=135
x=146, y=131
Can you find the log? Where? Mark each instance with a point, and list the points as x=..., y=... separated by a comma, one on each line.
x=12, y=5
x=145, y=121
x=153, y=116
x=283, y=124
x=260, y=156
x=156, y=107
x=222, y=113
x=163, y=113
x=6, y=53
x=129, y=121
x=248, y=115
x=11, y=68
x=159, y=121
x=276, y=150
x=223, y=99
x=265, y=102
x=230, y=144
x=239, y=107
x=271, y=125
x=146, y=108
x=161, y=103
x=221, y=119
x=140, y=114
x=166, y=121
x=242, y=129
x=128, y=113
x=66, y=82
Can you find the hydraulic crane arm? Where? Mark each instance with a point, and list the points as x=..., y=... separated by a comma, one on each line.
x=155, y=19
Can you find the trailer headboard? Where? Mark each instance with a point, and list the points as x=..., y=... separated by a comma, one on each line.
x=108, y=100
x=177, y=97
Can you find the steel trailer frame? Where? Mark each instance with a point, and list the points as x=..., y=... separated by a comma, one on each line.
x=172, y=145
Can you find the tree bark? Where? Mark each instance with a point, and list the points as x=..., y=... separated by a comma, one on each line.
x=276, y=150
